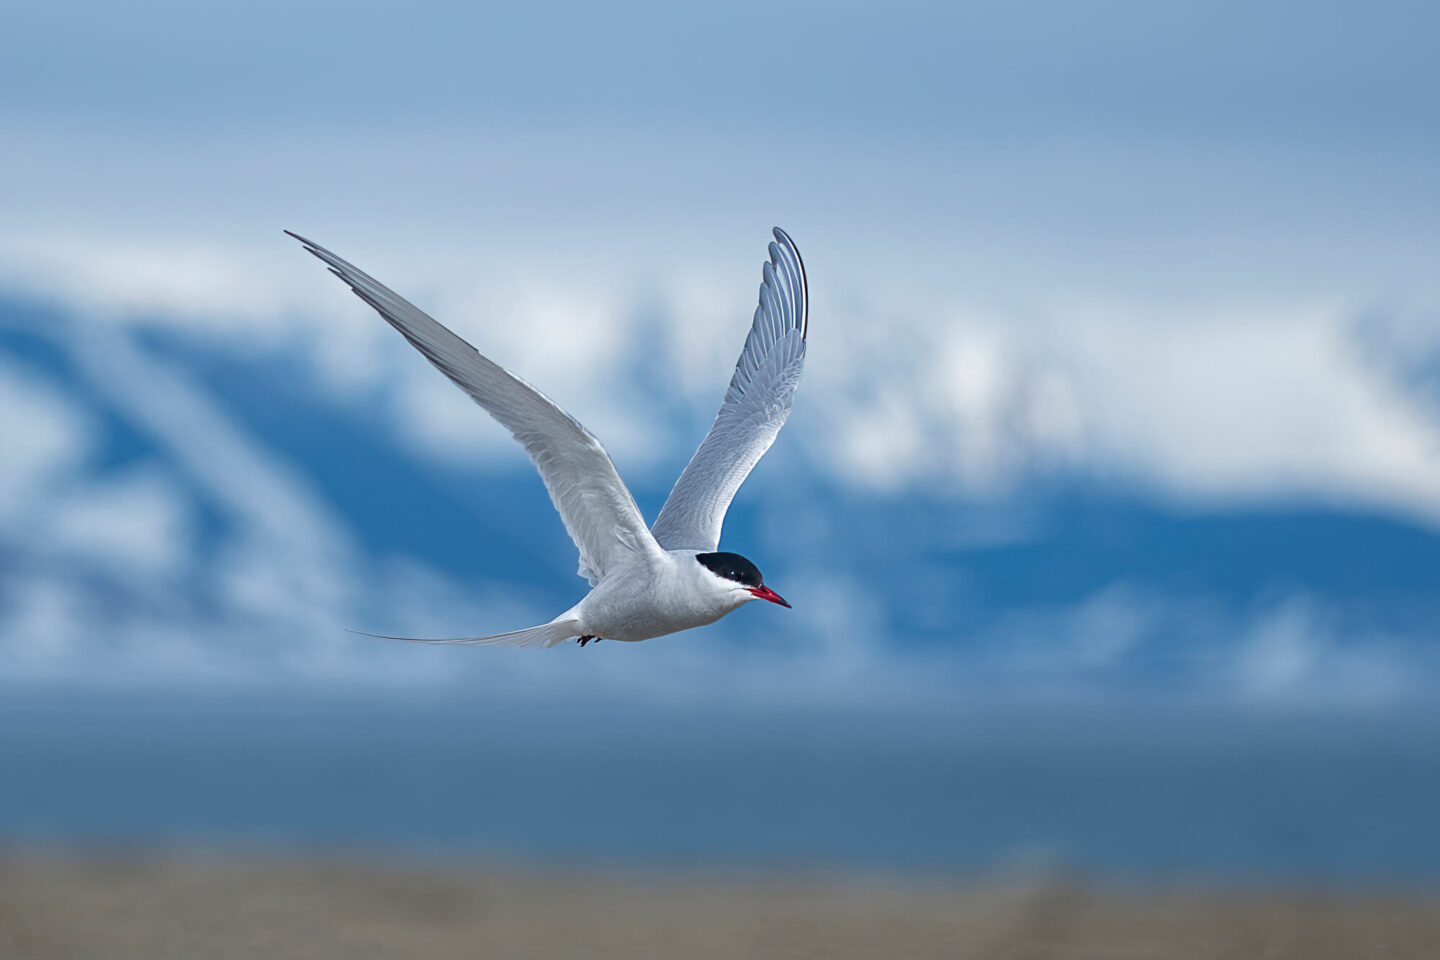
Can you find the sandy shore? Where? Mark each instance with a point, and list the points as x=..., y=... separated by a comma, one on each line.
x=134, y=907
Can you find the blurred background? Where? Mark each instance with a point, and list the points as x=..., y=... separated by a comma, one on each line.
x=1109, y=508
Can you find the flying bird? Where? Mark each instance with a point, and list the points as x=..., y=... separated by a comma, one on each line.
x=644, y=582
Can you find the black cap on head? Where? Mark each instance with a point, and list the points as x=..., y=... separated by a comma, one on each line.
x=732, y=566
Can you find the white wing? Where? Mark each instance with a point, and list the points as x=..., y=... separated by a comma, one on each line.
x=754, y=410
x=599, y=513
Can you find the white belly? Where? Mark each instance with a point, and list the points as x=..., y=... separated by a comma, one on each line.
x=615, y=616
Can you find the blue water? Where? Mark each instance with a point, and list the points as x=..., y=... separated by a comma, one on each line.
x=1127, y=794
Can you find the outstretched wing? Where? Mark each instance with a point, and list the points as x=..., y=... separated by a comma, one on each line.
x=599, y=512
x=755, y=408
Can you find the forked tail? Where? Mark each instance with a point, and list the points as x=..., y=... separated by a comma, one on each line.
x=545, y=635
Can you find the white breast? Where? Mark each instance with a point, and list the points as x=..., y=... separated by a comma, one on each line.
x=652, y=599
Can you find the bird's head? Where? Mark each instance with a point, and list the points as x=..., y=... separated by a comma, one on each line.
x=734, y=571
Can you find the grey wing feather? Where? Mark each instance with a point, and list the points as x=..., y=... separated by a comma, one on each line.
x=755, y=408
x=598, y=511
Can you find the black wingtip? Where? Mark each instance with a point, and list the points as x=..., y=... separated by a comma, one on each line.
x=309, y=244
x=784, y=238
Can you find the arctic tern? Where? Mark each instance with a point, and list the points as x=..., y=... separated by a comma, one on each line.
x=644, y=583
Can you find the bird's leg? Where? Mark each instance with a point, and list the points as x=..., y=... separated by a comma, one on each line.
x=585, y=640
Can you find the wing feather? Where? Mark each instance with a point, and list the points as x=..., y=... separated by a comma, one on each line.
x=598, y=511
x=756, y=406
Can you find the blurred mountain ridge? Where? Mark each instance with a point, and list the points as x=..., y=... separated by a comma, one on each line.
x=176, y=510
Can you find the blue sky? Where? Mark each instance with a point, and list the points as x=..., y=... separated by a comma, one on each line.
x=1153, y=274
x=975, y=71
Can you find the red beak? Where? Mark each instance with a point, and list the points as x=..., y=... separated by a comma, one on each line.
x=765, y=593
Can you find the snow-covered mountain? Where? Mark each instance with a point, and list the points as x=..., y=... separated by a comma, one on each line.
x=177, y=511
